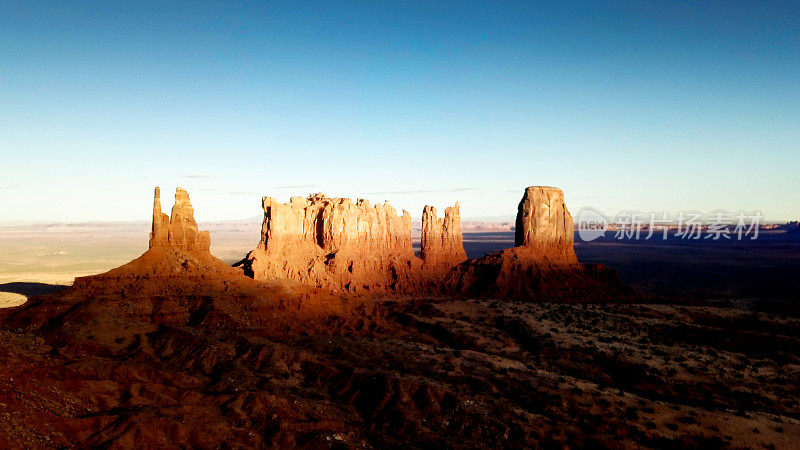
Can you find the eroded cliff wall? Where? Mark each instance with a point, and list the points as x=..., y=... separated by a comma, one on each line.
x=352, y=247
x=442, y=246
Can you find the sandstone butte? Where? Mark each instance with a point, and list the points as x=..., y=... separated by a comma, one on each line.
x=359, y=248
x=342, y=247
x=543, y=265
x=178, y=260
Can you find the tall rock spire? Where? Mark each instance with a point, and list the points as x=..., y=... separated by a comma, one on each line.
x=442, y=242
x=178, y=261
x=178, y=231
x=159, y=236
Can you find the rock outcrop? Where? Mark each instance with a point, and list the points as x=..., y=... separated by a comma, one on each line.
x=336, y=225
x=178, y=251
x=352, y=247
x=545, y=229
x=357, y=248
x=178, y=231
x=543, y=265
x=442, y=245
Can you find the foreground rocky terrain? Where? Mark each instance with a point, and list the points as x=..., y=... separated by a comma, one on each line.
x=268, y=371
x=177, y=348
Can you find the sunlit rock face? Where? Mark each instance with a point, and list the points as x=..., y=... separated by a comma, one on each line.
x=336, y=224
x=545, y=228
x=357, y=248
x=178, y=231
x=177, y=259
x=442, y=243
x=543, y=265
x=352, y=247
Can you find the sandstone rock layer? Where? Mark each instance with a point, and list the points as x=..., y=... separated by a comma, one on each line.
x=179, y=230
x=352, y=247
x=442, y=244
x=544, y=225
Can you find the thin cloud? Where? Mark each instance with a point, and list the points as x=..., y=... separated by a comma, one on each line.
x=295, y=186
x=425, y=191
x=196, y=176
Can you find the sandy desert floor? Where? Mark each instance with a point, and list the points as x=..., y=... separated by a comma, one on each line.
x=9, y=299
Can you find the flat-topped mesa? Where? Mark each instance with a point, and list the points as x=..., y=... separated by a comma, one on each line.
x=335, y=225
x=334, y=243
x=178, y=231
x=544, y=227
x=442, y=242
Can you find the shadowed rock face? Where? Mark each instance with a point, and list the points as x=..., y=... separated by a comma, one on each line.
x=356, y=247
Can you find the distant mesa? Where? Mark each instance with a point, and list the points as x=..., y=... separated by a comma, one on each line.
x=792, y=227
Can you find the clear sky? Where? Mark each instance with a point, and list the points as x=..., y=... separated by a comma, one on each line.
x=654, y=106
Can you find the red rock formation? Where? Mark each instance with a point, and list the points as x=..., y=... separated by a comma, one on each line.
x=543, y=266
x=333, y=243
x=341, y=246
x=179, y=230
x=177, y=250
x=352, y=247
x=441, y=246
x=545, y=228
x=159, y=236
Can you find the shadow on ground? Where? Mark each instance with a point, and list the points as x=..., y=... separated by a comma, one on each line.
x=31, y=289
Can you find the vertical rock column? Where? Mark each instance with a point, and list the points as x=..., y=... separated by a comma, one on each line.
x=442, y=242
x=159, y=236
x=178, y=231
x=544, y=225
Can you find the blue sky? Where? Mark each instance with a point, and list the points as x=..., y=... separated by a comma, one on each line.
x=653, y=106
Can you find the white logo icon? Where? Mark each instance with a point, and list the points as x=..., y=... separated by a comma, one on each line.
x=591, y=224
